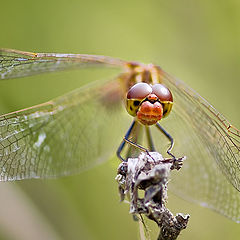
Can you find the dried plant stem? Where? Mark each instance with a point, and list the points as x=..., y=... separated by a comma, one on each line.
x=150, y=173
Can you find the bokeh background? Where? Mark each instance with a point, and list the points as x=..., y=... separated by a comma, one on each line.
x=197, y=41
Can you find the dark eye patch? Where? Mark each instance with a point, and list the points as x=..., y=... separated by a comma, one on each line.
x=136, y=103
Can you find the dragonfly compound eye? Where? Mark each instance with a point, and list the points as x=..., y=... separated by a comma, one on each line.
x=162, y=92
x=135, y=95
x=139, y=91
x=165, y=97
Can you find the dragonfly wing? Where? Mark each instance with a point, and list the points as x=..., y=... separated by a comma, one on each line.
x=15, y=63
x=63, y=136
x=211, y=173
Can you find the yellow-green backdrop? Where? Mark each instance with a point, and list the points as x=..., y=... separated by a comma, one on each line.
x=197, y=41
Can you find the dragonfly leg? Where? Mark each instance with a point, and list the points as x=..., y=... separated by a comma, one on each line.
x=169, y=138
x=120, y=148
x=136, y=145
x=127, y=140
x=149, y=139
x=143, y=149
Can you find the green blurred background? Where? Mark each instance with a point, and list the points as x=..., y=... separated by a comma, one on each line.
x=197, y=41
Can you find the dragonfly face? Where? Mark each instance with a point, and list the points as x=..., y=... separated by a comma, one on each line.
x=76, y=131
x=149, y=103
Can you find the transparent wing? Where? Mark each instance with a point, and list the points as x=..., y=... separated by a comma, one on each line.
x=211, y=173
x=15, y=63
x=63, y=136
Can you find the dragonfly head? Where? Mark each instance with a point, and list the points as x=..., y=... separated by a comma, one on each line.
x=149, y=103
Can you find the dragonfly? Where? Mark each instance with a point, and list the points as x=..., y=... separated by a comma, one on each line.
x=81, y=129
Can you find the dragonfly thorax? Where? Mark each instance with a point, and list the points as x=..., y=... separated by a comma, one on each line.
x=149, y=103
